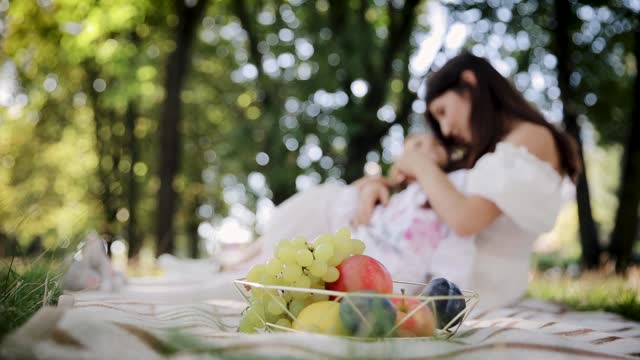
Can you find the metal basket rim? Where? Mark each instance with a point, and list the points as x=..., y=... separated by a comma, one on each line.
x=466, y=294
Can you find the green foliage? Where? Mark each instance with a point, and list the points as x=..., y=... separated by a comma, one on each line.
x=591, y=291
x=64, y=147
x=544, y=262
x=264, y=77
x=561, y=245
x=110, y=58
x=601, y=51
x=32, y=203
x=25, y=287
x=603, y=170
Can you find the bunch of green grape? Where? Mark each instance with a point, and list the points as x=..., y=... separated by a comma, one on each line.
x=296, y=263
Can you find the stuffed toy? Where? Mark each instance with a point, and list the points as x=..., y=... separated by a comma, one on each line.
x=91, y=268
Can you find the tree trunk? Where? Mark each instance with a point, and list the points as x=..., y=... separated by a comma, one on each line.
x=107, y=197
x=192, y=230
x=407, y=98
x=359, y=145
x=626, y=226
x=279, y=184
x=371, y=130
x=4, y=245
x=135, y=242
x=188, y=20
x=588, y=232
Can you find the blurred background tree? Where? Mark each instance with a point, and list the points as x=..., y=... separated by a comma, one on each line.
x=180, y=124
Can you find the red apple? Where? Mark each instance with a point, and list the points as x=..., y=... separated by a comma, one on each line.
x=361, y=272
x=421, y=323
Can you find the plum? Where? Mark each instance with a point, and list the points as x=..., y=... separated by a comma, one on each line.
x=367, y=316
x=446, y=309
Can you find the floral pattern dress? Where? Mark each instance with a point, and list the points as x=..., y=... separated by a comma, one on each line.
x=409, y=238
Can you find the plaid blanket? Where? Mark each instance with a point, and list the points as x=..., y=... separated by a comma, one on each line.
x=162, y=319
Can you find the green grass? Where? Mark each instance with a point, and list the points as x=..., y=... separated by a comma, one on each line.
x=543, y=262
x=591, y=291
x=25, y=286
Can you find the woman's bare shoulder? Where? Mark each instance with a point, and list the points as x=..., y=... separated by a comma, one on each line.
x=537, y=139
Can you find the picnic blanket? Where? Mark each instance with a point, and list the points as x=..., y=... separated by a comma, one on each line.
x=146, y=319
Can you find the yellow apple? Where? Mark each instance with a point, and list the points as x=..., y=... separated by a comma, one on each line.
x=321, y=317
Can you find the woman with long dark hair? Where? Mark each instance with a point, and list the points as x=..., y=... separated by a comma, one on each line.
x=516, y=161
x=496, y=110
x=513, y=161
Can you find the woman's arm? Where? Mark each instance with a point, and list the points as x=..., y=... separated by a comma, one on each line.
x=466, y=215
x=469, y=214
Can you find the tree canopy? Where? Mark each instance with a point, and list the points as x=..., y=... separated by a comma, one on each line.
x=270, y=98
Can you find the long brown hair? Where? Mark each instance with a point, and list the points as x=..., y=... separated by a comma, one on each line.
x=495, y=103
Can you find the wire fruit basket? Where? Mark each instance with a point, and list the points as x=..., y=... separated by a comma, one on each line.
x=413, y=292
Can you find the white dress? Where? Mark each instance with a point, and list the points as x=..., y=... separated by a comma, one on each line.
x=528, y=192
